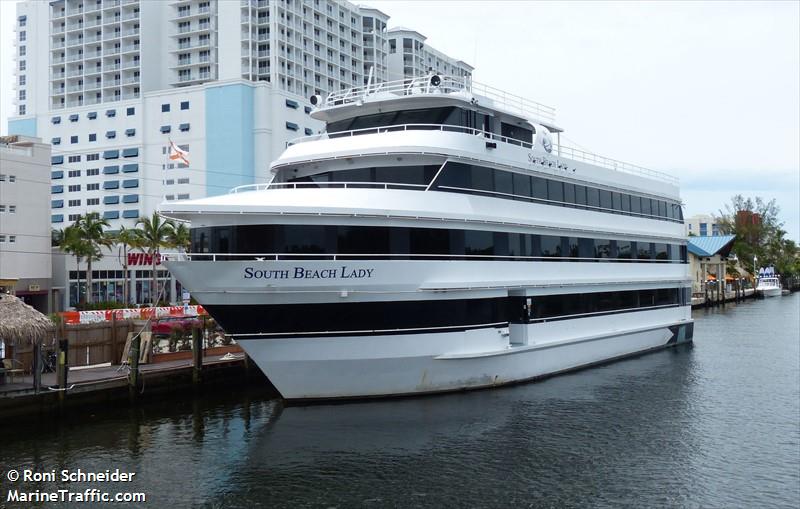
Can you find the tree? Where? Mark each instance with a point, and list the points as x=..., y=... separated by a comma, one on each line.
x=156, y=233
x=180, y=238
x=129, y=238
x=71, y=242
x=759, y=233
x=91, y=229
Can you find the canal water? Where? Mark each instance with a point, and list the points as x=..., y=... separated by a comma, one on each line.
x=713, y=425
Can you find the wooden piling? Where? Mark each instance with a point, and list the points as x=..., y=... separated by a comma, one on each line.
x=37, y=366
x=197, y=355
x=62, y=369
x=133, y=362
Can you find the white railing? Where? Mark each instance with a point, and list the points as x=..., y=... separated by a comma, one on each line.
x=448, y=85
x=558, y=151
x=213, y=257
x=337, y=185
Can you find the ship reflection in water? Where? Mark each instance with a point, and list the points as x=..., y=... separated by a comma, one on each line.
x=711, y=426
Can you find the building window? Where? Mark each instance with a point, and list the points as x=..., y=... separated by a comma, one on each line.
x=292, y=126
x=130, y=132
x=130, y=111
x=22, y=65
x=74, y=159
x=111, y=134
x=164, y=108
x=21, y=95
x=74, y=173
x=184, y=105
x=73, y=139
x=392, y=45
x=183, y=196
x=93, y=137
x=92, y=157
x=74, y=203
x=130, y=152
x=57, y=160
x=111, y=200
x=165, y=129
x=91, y=115
x=57, y=204
x=183, y=181
x=56, y=141
x=92, y=172
x=74, y=188
x=57, y=218
x=92, y=187
x=111, y=113
x=22, y=80
x=93, y=201
x=184, y=127
x=22, y=109
x=55, y=120
x=292, y=104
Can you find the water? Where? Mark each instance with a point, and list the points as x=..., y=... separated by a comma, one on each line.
x=714, y=425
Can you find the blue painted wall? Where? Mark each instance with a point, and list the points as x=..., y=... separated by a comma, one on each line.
x=229, y=138
x=23, y=126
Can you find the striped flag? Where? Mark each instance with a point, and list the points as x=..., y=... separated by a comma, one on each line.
x=178, y=154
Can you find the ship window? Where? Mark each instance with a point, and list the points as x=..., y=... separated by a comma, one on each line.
x=636, y=204
x=646, y=206
x=605, y=199
x=516, y=133
x=645, y=250
x=580, y=196
x=539, y=188
x=479, y=243
x=602, y=248
x=569, y=193
x=412, y=174
x=522, y=185
x=550, y=246
x=616, y=201
x=661, y=251
x=555, y=190
x=625, y=201
x=624, y=249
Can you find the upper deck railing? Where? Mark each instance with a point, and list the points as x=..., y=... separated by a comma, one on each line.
x=559, y=151
x=511, y=103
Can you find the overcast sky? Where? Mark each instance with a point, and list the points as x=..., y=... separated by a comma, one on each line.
x=709, y=92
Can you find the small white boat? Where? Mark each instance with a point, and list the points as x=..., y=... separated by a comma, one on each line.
x=769, y=286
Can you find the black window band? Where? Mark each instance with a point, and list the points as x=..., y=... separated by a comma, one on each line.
x=385, y=242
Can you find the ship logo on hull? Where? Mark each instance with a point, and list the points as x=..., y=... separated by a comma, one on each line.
x=343, y=272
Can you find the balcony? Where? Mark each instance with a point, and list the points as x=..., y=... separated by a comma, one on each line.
x=57, y=45
x=75, y=11
x=93, y=38
x=111, y=83
x=110, y=36
x=111, y=51
x=133, y=80
x=75, y=72
x=75, y=42
x=57, y=30
x=57, y=60
x=75, y=58
x=74, y=88
x=57, y=91
x=74, y=104
x=110, y=4
x=93, y=23
x=130, y=48
x=93, y=70
x=133, y=64
x=130, y=16
x=93, y=54
x=111, y=67
x=57, y=76
x=75, y=26
x=130, y=32
x=92, y=86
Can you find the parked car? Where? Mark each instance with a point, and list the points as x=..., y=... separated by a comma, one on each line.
x=163, y=326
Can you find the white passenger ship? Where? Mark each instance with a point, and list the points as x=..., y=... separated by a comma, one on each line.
x=435, y=238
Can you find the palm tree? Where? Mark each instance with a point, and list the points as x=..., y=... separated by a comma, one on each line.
x=130, y=238
x=156, y=233
x=72, y=243
x=91, y=228
x=180, y=238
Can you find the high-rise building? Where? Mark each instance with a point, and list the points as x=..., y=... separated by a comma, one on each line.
x=25, y=255
x=409, y=56
x=112, y=83
x=702, y=225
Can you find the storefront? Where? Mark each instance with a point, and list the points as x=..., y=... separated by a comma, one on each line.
x=111, y=282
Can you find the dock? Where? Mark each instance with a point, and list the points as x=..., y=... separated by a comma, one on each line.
x=106, y=383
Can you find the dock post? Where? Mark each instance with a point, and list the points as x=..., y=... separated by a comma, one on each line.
x=197, y=355
x=37, y=366
x=133, y=362
x=62, y=368
x=114, y=354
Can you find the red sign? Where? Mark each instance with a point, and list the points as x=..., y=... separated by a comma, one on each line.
x=144, y=259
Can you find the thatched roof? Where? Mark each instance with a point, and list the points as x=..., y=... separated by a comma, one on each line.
x=20, y=322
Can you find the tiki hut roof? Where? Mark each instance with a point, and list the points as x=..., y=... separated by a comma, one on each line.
x=20, y=322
